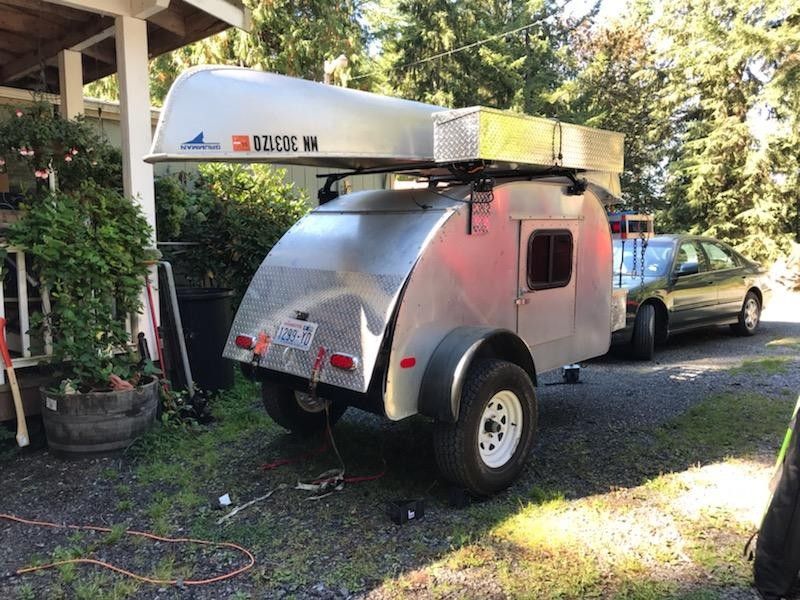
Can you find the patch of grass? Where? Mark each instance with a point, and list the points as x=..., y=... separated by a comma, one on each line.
x=724, y=425
x=25, y=592
x=770, y=365
x=125, y=505
x=116, y=533
x=159, y=511
x=786, y=342
x=644, y=590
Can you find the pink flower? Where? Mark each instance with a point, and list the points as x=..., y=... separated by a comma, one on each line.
x=2, y=161
x=18, y=112
x=74, y=151
x=68, y=158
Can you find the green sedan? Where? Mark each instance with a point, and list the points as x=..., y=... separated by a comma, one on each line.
x=679, y=282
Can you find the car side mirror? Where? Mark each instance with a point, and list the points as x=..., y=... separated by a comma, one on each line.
x=687, y=268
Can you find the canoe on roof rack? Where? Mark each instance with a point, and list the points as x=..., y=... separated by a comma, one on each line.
x=240, y=115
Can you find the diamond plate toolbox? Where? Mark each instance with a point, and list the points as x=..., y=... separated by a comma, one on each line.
x=480, y=133
x=351, y=309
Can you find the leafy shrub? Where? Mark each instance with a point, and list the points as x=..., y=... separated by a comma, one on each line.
x=89, y=248
x=236, y=213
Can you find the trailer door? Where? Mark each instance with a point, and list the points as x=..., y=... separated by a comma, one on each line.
x=547, y=275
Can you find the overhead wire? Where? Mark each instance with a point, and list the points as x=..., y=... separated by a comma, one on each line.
x=469, y=46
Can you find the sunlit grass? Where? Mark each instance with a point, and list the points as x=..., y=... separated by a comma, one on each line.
x=785, y=342
x=770, y=365
x=677, y=535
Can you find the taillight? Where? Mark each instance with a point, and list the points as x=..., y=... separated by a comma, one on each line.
x=408, y=362
x=344, y=361
x=245, y=341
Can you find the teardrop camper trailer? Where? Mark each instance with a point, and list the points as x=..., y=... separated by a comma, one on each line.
x=446, y=301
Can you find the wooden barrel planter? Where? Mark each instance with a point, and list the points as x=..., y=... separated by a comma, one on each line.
x=98, y=421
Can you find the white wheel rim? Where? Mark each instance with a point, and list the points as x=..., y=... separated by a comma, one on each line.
x=500, y=429
x=309, y=404
x=750, y=314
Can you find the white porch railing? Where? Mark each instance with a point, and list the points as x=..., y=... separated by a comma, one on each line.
x=16, y=305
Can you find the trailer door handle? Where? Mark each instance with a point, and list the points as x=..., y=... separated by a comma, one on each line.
x=520, y=301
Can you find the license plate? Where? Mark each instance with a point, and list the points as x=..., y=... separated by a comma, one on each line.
x=295, y=334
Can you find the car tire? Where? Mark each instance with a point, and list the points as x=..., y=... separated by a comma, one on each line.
x=749, y=316
x=644, y=333
x=299, y=415
x=487, y=447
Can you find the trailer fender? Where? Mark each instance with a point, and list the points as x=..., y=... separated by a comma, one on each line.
x=440, y=392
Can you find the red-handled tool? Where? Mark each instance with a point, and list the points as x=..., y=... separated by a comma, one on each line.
x=22, y=427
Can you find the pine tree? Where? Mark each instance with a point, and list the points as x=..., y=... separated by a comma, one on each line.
x=725, y=61
x=613, y=87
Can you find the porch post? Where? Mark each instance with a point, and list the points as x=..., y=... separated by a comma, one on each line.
x=137, y=175
x=70, y=78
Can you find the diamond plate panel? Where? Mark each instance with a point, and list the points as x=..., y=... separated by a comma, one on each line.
x=352, y=310
x=479, y=133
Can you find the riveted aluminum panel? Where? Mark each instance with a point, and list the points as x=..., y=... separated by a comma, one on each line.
x=352, y=310
x=232, y=114
x=344, y=264
x=479, y=133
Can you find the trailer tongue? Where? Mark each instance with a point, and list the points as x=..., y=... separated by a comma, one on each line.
x=446, y=301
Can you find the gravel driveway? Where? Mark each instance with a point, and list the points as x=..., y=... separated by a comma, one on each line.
x=344, y=546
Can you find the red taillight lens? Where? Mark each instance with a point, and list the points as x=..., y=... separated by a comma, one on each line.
x=616, y=226
x=343, y=361
x=408, y=362
x=244, y=341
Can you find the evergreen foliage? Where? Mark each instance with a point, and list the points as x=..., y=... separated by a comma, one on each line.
x=707, y=92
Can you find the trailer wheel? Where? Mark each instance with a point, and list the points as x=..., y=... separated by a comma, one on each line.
x=749, y=316
x=644, y=333
x=486, y=449
x=296, y=411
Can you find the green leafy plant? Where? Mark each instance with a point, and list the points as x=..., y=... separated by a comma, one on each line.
x=89, y=248
x=45, y=143
x=236, y=213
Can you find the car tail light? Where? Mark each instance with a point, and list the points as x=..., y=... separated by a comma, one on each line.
x=245, y=341
x=344, y=361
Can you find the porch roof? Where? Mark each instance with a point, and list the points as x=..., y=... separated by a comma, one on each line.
x=33, y=32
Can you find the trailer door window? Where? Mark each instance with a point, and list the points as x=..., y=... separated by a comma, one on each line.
x=549, y=259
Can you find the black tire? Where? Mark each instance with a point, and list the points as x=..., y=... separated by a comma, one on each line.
x=456, y=445
x=748, y=322
x=282, y=406
x=644, y=333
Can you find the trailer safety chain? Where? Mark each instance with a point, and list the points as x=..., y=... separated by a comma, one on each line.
x=643, y=249
x=251, y=561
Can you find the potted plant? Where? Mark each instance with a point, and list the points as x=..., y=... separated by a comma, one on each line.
x=89, y=246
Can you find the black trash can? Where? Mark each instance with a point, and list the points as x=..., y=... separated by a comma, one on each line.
x=206, y=315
